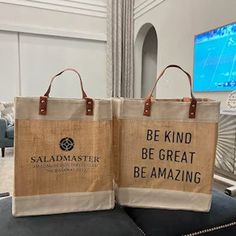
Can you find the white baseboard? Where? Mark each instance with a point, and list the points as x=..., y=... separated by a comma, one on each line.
x=223, y=180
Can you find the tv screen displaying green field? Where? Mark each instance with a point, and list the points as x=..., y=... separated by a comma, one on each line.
x=215, y=60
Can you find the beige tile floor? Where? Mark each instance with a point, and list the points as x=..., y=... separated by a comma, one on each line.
x=6, y=171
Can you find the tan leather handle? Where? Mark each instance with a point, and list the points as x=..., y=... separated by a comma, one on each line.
x=68, y=69
x=193, y=104
x=43, y=99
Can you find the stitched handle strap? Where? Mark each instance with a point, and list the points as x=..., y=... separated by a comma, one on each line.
x=44, y=99
x=68, y=69
x=193, y=104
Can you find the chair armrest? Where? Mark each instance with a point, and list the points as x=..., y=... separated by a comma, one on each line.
x=3, y=128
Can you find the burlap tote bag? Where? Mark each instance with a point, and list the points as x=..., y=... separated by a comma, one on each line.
x=62, y=154
x=165, y=150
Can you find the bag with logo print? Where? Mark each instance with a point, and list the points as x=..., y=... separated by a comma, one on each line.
x=165, y=149
x=62, y=154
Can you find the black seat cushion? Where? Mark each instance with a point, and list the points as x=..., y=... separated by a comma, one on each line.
x=100, y=223
x=162, y=222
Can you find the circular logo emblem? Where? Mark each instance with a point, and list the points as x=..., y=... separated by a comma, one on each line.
x=67, y=144
x=232, y=100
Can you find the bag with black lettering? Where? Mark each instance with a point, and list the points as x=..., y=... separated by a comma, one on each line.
x=63, y=153
x=165, y=150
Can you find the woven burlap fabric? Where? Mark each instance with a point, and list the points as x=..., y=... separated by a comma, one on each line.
x=64, y=157
x=165, y=160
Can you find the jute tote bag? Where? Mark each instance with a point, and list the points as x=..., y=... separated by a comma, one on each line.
x=165, y=150
x=63, y=153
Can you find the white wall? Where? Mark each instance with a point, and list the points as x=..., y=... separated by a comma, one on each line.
x=79, y=18
x=176, y=23
x=40, y=38
x=43, y=56
x=9, y=67
x=149, y=62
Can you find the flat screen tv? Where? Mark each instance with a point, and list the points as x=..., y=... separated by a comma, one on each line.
x=215, y=60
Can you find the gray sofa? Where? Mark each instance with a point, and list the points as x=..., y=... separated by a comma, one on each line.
x=6, y=135
x=219, y=221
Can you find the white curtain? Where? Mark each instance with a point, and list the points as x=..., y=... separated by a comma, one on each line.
x=120, y=69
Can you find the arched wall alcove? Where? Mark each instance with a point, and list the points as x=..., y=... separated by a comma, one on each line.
x=145, y=50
